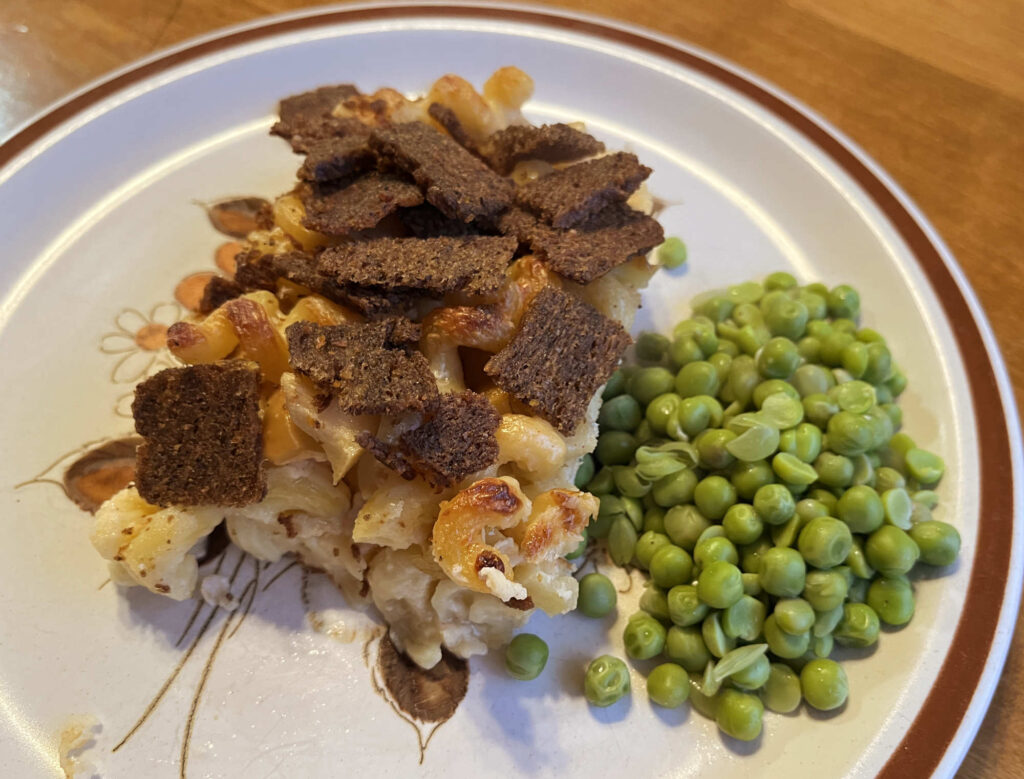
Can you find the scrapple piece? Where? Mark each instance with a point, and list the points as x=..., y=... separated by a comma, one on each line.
x=446, y=117
x=568, y=197
x=202, y=436
x=563, y=351
x=425, y=221
x=453, y=180
x=349, y=206
x=458, y=440
x=435, y=266
x=217, y=292
x=550, y=143
x=582, y=254
x=371, y=368
x=308, y=118
x=335, y=158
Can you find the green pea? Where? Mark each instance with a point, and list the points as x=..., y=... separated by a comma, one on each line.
x=858, y=591
x=817, y=307
x=859, y=626
x=746, y=292
x=711, y=548
x=792, y=470
x=892, y=599
x=702, y=330
x=584, y=472
x=597, y=596
x=634, y=511
x=849, y=434
x=697, y=378
x=824, y=684
x=751, y=584
x=684, y=524
x=786, y=533
x=654, y=520
x=606, y=680
x=855, y=396
x=615, y=447
x=939, y=542
x=651, y=347
x=834, y=470
x=691, y=417
x=879, y=363
x=743, y=379
x=705, y=705
x=826, y=498
x=766, y=389
x=685, y=646
x=891, y=551
x=671, y=565
x=923, y=466
x=716, y=308
x=783, y=644
x=621, y=413
x=685, y=607
x=809, y=508
x=779, y=280
x=712, y=449
x=854, y=359
x=857, y=561
x=580, y=550
x=675, y=489
x=602, y=483
x=749, y=477
x=751, y=556
x=774, y=504
x=615, y=385
x=825, y=590
x=643, y=434
x=644, y=636
x=782, y=572
x=898, y=507
x=683, y=351
x=742, y=524
x=649, y=543
x=794, y=615
x=525, y=656
x=723, y=364
x=897, y=382
x=889, y=479
x=720, y=585
x=843, y=301
x=861, y=509
x=894, y=412
x=833, y=346
x=809, y=348
x=880, y=425
x=787, y=319
x=929, y=498
x=778, y=358
x=810, y=379
x=628, y=483
x=754, y=676
x=825, y=621
x=647, y=383
x=744, y=619
x=622, y=540
x=654, y=601
x=713, y=496
x=819, y=409
x=818, y=288
x=715, y=639
x=781, y=691
x=668, y=685
x=825, y=542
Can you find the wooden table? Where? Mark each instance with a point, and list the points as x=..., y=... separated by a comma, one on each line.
x=934, y=91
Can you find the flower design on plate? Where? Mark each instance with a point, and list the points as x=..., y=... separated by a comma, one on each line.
x=140, y=341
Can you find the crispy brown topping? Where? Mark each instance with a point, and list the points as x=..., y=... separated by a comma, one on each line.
x=563, y=351
x=218, y=291
x=446, y=117
x=202, y=436
x=568, y=197
x=342, y=208
x=550, y=143
x=436, y=266
x=458, y=440
x=520, y=604
x=425, y=221
x=335, y=158
x=308, y=118
x=488, y=559
x=371, y=368
x=457, y=183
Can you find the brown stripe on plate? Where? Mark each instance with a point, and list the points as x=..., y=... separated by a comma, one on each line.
x=935, y=726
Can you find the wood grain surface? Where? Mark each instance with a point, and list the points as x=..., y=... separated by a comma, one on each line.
x=934, y=91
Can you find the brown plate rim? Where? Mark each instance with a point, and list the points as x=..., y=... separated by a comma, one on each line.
x=933, y=730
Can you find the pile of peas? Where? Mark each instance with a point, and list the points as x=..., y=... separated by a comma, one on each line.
x=752, y=465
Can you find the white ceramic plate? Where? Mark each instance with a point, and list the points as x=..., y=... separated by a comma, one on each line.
x=98, y=215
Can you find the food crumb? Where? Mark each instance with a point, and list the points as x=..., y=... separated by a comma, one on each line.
x=76, y=738
x=216, y=591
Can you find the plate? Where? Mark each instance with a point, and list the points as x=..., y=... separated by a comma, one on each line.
x=98, y=209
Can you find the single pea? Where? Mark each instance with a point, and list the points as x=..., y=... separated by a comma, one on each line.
x=859, y=626
x=628, y=483
x=892, y=599
x=702, y=330
x=879, y=363
x=849, y=433
x=671, y=565
x=705, y=705
x=683, y=351
x=751, y=584
x=697, y=378
x=781, y=691
x=712, y=449
x=888, y=479
x=843, y=301
x=606, y=680
x=898, y=507
x=720, y=585
x=597, y=596
x=711, y=548
x=652, y=347
x=809, y=508
x=825, y=590
x=880, y=425
x=713, y=496
x=861, y=509
x=794, y=615
x=754, y=676
x=654, y=601
x=525, y=656
x=817, y=307
x=675, y=489
x=749, y=477
x=633, y=508
x=897, y=381
x=787, y=319
x=774, y=504
x=622, y=540
x=692, y=416
x=644, y=636
x=891, y=551
x=825, y=621
x=744, y=619
x=834, y=470
x=684, y=524
x=647, y=383
x=742, y=524
x=770, y=387
x=685, y=607
x=928, y=498
x=923, y=466
x=792, y=470
x=939, y=542
x=668, y=685
x=786, y=533
x=672, y=253
x=654, y=520
x=778, y=358
x=716, y=308
x=715, y=639
x=857, y=561
x=782, y=572
x=858, y=591
x=819, y=409
x=643, y=434
x=826, y=498
x=779, y=280
x=783, y=644
x=825, y=542
x=723, y=364
x=727, y=347
x=833, y=346
x=615, y=385
x=854, y=359
x=752, y=554
x=745, y=292
x=685, y=646
x=803, y=442
x=602, y=483
x=621, y=413
x=584, y=472
x=894, y=412
x=649, y=543
x=615, y=447
x=743, y=379
x=883, y=396
x=824, y=684
x=611, y=507
x=855, y=396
